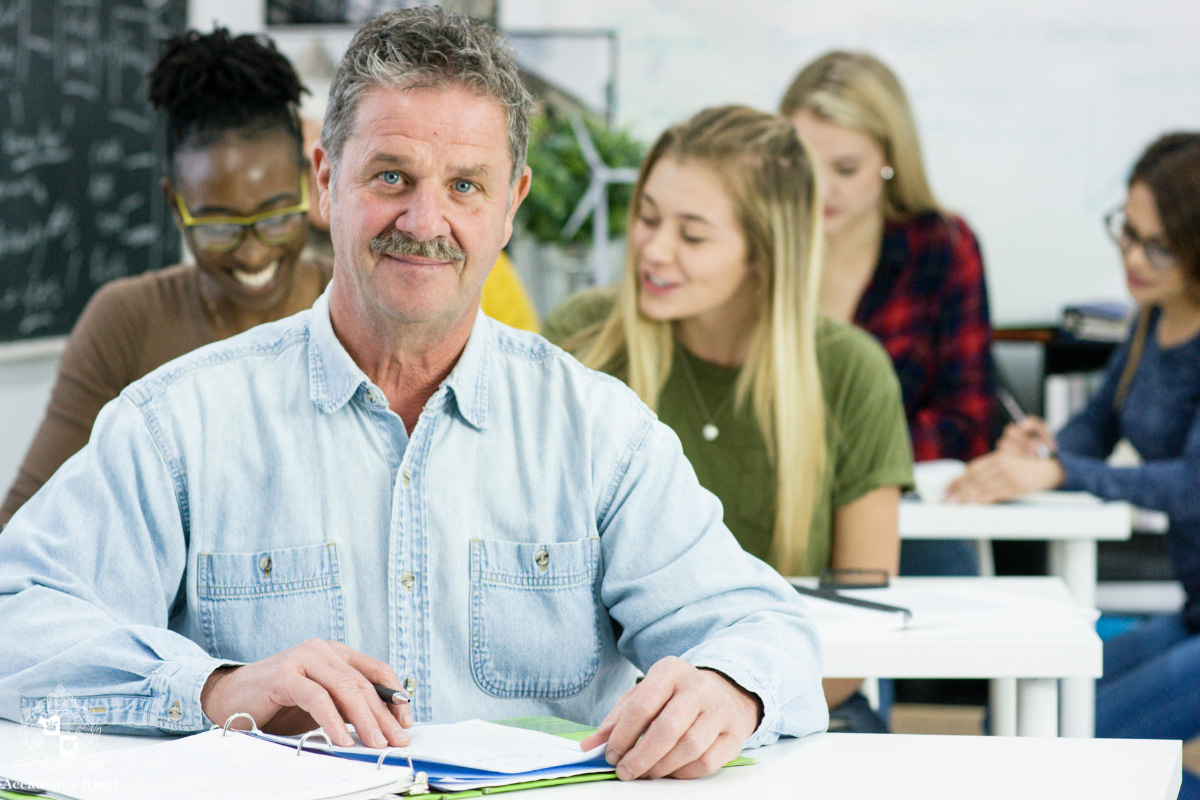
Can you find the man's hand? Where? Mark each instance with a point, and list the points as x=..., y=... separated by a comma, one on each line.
x=691, y=722
x=1002, y=476
x=317, y=683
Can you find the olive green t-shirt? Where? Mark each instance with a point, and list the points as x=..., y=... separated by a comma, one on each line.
x=866, y=433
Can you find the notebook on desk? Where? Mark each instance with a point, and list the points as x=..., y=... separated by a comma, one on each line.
x=535, y=752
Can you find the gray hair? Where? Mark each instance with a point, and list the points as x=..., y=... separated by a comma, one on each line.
x=428, y=47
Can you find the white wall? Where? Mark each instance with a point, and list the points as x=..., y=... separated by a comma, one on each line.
x=1031, y=111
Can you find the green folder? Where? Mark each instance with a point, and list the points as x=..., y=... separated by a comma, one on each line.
x=559, y=727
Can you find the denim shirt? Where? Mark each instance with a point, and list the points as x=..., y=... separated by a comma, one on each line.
x=537, y=539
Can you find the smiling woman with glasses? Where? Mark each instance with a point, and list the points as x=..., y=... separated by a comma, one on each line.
x=273, y=228
x=237, y=186
x=1151, y=398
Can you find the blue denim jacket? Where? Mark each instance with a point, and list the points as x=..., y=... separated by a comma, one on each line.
x=537, y=538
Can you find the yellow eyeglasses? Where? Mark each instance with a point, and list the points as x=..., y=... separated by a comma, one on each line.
x=223, y=234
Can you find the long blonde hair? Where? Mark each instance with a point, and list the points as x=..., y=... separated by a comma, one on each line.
x=773, y=188
x=858, y=91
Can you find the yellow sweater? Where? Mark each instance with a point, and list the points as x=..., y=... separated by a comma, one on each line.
x=505, y=298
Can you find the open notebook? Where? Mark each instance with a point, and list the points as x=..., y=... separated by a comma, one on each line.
x=472, y=754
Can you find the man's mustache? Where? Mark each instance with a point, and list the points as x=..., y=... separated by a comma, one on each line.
x=397, y=244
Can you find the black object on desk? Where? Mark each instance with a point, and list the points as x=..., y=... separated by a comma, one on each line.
x=834, y=597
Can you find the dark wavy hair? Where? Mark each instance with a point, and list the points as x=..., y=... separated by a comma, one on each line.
x=210, y=84
x=1170, y=169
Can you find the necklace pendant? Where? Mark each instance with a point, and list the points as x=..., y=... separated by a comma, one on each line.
x=710, y=432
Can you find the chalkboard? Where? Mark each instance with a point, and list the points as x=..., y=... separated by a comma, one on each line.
x=80, y=155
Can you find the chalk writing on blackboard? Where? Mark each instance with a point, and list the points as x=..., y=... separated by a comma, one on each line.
x=80, y=163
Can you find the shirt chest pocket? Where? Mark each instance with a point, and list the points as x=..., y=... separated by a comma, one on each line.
x=253, y=605
x=535, y=617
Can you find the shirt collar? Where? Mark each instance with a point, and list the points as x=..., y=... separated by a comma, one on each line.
x=468, y=381
x=334, y=377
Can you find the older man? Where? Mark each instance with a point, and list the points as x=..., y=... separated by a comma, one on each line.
x=394, y=489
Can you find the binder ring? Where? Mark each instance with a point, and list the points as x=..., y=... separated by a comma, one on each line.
x=420, y=781
x=304, y=738
x=228, y=722
x=384, y=754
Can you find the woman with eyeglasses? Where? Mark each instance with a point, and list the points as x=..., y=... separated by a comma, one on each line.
x=237, y=186
x=1151, y=397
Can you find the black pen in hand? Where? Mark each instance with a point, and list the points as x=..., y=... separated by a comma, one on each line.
x=393, y=696
x=1018, y=416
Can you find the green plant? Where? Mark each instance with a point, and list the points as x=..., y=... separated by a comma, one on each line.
x=561, y=176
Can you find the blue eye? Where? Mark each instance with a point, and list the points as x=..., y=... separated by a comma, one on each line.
x=463, y=186
x=391, y=177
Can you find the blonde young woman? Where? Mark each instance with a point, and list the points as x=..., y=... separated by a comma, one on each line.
x=899, y=267
x=793, y=420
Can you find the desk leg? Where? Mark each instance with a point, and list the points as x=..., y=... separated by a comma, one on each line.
x=1075, y=562
x=1003, y=703
x=1078, y=705
x=1037, y=707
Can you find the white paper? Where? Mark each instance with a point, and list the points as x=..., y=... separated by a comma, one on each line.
x=832, y=615
x=965, y=604
x=1059, y=498
x=476, y=744
x=932, y=477
x=208, y=766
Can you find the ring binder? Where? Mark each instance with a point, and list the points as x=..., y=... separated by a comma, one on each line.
x=214, y=764
x=420, y=781
x=304, y=738
x=225, y=727
x=420, y=784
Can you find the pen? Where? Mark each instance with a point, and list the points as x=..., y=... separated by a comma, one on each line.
x=393, y=696
x=832, y=596
x=1018, y=416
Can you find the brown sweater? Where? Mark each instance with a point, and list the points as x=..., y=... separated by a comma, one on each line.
x=129, y=328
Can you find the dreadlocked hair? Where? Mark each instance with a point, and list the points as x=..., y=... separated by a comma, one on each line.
x=209, y=84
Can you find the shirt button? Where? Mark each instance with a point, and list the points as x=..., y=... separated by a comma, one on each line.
x=405, y=475
x=408, y=579
x=176, y=713
x=373, y=397
x=410, y=686
x=542, y=559
x=265, y=565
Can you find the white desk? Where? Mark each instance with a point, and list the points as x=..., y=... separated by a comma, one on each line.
x=1072, y=530
x=844, y=766
x=1024, y=662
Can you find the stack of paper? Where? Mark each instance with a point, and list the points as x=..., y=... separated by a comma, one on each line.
x=209, y=765
x=474, y=754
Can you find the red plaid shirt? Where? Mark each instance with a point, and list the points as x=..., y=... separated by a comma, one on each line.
x=927, y=305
